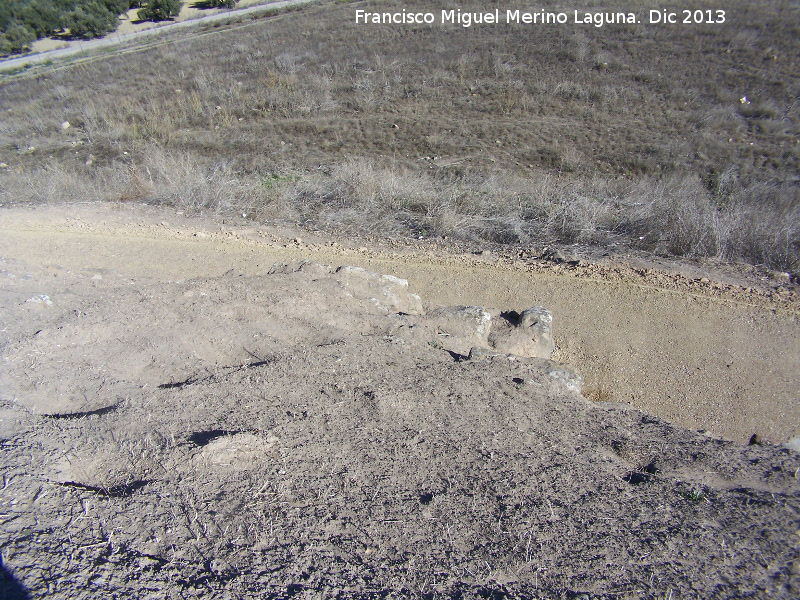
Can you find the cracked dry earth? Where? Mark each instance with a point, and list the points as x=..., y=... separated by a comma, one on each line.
x=252, y=430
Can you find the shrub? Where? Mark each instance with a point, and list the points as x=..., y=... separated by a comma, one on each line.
x=18, y=38
x=91, y=20
x=43, y=16
x=160, y=10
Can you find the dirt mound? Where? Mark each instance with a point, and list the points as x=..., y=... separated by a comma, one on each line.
x=301, y=433
x=707, y=347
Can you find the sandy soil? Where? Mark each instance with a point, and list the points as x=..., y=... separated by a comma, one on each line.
x=199, y=408
x=717, y=355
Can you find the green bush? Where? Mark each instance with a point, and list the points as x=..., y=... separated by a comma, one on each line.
x=43, y=16
x=17, y=38
x=91, y=20
x=160, y=10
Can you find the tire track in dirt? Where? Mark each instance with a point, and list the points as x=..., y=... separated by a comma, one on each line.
x=703, y=356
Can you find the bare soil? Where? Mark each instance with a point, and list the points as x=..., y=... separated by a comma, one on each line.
x=183, y=418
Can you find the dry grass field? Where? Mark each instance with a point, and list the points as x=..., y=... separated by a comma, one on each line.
x=625, y=136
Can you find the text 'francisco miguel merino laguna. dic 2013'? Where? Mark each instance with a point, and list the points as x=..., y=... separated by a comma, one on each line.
x=543, y=17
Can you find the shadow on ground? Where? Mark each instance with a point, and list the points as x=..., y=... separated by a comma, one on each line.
x=10, y=588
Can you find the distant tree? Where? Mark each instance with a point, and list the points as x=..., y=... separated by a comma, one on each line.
x=223, y=3
x=91, y=19
x=160, y=10
x=43, y=16
x=17, y=38
x=117, y=6
x=6, y=16
x=84, y=18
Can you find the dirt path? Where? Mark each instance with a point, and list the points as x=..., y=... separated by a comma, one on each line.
x=701, y=354
x=182, y=418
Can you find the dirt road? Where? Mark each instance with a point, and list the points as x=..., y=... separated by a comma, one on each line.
x=705, y=355
x=180, y=417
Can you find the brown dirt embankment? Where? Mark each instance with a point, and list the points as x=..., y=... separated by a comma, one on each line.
x=718, y=354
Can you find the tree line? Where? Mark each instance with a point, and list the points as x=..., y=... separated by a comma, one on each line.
x=22, y=22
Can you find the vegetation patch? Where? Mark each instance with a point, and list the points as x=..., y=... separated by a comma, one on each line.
x=22, y=22
x=686, y=144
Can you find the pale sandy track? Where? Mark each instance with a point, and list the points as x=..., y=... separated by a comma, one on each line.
x=703, y=356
